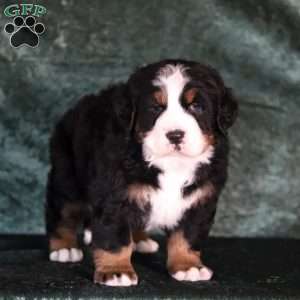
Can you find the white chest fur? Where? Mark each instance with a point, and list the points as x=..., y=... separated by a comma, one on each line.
x=167, y=203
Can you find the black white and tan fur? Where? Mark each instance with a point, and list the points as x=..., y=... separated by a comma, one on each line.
x=148, y=154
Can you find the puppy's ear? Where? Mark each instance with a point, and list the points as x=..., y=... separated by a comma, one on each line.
x=228, y=110
x=134, y=87
x=132, y=119
x=121, y=105
x=132, y=95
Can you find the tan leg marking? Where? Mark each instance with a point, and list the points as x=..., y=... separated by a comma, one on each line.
x=66, y=233
x=114, y=269
x=180, y=256
x=140, y=193
x=184, y=263
x=63, y=244
x=66, y=238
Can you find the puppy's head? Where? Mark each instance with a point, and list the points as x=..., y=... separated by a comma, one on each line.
x=181, y=107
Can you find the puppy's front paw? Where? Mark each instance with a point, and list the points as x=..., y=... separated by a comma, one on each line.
x=146, y=246
x=66, y=255
x=194, y=274
x=116, y=279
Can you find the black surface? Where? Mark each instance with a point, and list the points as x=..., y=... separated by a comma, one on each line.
x=244, y=268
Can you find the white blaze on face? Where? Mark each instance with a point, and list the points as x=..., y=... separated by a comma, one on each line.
x=173, y=79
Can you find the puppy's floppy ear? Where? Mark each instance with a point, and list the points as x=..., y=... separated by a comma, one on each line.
x=130, y=108
x=136, y=84
x=228, y=110
x=121, y=105
x=132, y=94
x=132, y=118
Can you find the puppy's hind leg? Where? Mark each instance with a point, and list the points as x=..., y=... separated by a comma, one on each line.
x=64, y=210
x=62, y=223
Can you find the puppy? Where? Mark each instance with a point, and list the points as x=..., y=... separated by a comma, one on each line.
x=148, y=154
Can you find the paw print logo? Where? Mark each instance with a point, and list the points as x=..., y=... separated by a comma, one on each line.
x=24, y=32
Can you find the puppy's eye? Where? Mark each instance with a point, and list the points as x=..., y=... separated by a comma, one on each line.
x=156, y=108
x=196, y=107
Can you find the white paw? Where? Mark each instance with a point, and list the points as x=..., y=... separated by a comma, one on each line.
x=87, y=236
x=122, y=280
x=66, y=255
x=146, y=246
x=194, y=274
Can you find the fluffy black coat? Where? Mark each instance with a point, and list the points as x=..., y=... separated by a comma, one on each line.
x=96, y=153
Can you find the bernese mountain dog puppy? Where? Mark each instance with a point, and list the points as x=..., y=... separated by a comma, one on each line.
x=149, y=154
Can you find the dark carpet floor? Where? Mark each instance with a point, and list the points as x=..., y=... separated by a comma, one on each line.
x=244, y=269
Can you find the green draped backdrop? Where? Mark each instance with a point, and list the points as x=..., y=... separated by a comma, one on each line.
x=88, y=44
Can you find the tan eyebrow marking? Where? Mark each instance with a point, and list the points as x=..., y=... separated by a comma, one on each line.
x=161, y=97
x=190, y=94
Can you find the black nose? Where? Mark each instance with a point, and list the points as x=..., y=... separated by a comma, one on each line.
x=175, y=136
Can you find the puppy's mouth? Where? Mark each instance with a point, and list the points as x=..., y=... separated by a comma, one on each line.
x=182, y=149
x=186, y=149
x=177, y=148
